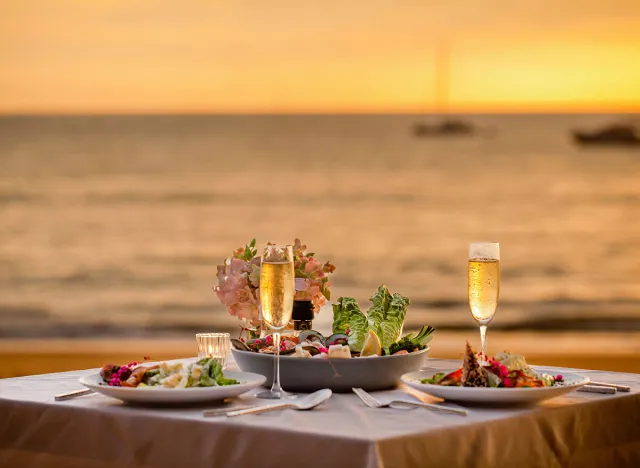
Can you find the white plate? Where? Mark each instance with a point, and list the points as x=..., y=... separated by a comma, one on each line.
x=499, y=396
x=155, y=395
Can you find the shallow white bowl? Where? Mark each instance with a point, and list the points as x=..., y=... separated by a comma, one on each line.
x=494, y=396
x=339, y=375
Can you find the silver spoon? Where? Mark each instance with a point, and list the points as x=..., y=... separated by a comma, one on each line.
x=303, y=403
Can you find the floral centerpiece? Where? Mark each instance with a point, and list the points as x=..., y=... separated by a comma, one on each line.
x=239, y=281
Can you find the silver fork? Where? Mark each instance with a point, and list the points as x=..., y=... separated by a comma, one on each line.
x=371, y=402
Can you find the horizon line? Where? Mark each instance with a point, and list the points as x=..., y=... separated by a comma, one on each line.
x=317, y=113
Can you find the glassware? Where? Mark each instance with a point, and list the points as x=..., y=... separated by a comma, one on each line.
x=484, y=285
x=214, y=345
x=277, y=290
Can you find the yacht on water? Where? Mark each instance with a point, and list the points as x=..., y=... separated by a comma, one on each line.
x=614, y=134
x=446, y=126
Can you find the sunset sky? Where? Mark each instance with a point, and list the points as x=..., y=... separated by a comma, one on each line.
x=136, y=56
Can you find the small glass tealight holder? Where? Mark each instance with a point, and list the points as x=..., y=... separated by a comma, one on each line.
x=215, y=345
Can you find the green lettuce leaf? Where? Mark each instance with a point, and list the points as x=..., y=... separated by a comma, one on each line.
x=207, y=378
x=391, y=327
x=225, y=381
x=385, y=317
x=359, y=330
x=437, y=377
x=343, y=311
x=348, y=316
x=376, y=314
x=212, y=374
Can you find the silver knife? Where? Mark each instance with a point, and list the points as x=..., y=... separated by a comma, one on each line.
x=620, y=388
x=75, y=393
x=597, y=389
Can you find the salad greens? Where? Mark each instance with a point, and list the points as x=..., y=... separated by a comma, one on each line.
x=347, y=316
x=434, y=379
x=211, y=374
x=411, y=341
x=207, y=372
x=385, y=318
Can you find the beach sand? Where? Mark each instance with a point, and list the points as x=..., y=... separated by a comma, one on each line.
x=607, y=351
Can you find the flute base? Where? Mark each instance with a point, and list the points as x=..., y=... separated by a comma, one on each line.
x=276, y=395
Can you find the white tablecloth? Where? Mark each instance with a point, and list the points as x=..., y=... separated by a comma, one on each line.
x=579, y=429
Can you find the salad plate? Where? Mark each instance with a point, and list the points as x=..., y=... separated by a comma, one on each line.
x=503, y=379
x=173, y=383
x=493, y=396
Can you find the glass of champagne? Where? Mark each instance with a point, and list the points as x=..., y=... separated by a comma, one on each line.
x=484, y=285
x=277, y=290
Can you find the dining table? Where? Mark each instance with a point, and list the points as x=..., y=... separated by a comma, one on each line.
x=579, y=429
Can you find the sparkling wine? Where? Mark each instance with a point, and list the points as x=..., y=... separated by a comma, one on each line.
x=277, y=289
x=484, y=288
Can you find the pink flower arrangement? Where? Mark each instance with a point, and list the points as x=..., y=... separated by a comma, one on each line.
x=239, y=281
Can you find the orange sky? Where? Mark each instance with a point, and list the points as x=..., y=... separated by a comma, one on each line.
x=92, y=56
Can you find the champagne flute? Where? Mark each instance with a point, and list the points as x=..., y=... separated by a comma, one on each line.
x=277, y=290
x=484, y=285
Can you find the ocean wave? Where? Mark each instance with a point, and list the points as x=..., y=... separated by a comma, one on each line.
x=195, y=259
x=102, y=277
x=23, y=312
x=109, y=330
x=189, y=198
x=7, y=198
x=180, y=319
x=553, y=271
x=184, y=329
x=258, y=199
x=546, y=304
x=203, y=197
x=175, y=307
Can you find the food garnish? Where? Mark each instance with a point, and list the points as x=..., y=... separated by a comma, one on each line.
x=505, y=370
x=472, y=375
x=412, y=341
x=207, y=372
x=372, y=346
x=339, y=352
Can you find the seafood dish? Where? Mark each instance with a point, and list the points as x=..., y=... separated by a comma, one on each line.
x=504, y=370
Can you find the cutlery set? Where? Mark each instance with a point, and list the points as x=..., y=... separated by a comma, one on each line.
x=605, y=388
x=372, y=402
x=312, y=400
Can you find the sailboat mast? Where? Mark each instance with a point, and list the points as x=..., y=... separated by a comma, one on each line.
x=442, y=78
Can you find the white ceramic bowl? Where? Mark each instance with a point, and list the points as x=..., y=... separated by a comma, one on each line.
x=340, y=375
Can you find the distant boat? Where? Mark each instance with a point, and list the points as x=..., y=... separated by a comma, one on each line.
x=447, y=126
x=616, y=134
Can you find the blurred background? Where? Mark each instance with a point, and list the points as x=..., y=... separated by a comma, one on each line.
x=141, y=142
